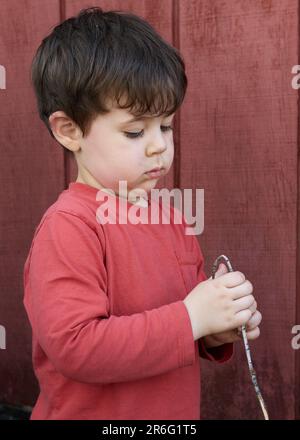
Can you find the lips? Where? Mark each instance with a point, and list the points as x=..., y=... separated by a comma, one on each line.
x=156, y=169
x=155, y=172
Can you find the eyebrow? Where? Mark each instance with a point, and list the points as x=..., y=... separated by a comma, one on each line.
x=136, y=118
x=140, y=118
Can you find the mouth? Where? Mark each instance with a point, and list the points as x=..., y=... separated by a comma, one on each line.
x=156, y=172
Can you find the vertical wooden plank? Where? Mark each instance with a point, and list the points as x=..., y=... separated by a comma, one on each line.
x=238, y=137
x=239, y=143
x=297, y=312
x=34, y=162
x=31, y=176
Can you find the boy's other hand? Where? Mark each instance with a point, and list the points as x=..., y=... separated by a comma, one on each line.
x=252, y=326
x=220, y=306
x=252, y=332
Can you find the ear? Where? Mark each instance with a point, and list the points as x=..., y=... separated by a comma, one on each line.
x=65, y=130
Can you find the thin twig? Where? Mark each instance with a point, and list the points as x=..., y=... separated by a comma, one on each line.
x=245, y=339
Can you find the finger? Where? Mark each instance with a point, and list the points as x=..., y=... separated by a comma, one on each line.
x=254, y=321
x=253, y=334
x=243, y=303
x=241, y=318
x=222, y=269
x=243, y=289
x=232, y=279
x=253, y=307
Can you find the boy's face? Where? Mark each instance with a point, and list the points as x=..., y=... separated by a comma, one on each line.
x=118, y=150
x=113, y=150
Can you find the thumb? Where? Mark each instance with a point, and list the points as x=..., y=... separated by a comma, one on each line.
x=222, y=269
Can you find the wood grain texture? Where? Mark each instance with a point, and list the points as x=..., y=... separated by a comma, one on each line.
x=34, y=167
x=32, y=174
x=239, y=143
x=236, y=137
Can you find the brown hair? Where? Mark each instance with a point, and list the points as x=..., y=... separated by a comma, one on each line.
x=99, y=55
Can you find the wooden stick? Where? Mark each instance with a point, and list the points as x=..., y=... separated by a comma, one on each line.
x=245, y=339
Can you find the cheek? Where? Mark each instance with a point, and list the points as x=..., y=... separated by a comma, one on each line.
x=171, y=154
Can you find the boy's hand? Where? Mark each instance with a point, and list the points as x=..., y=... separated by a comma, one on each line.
x=221, y=305
x=252, y=332
x=252, y=326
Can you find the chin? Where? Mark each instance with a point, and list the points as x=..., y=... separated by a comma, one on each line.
x=152, y=184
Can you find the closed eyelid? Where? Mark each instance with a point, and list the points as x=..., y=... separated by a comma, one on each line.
x=134, y=135
x=135, y=127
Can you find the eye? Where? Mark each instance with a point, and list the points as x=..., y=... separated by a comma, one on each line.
x=140, y=133
x=133, y=135
x=166, y=127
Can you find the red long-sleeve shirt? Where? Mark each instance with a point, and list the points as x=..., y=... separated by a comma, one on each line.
x=111, y=336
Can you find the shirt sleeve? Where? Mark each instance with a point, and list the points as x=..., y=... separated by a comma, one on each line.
x=68, y=307
x=224, y=352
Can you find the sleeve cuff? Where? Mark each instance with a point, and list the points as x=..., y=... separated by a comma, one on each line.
x=186, y=344
x=218, y=354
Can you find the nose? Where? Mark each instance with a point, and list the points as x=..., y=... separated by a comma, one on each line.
x=157, y=145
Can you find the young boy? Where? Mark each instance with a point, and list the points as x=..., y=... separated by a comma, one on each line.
x=120, y=312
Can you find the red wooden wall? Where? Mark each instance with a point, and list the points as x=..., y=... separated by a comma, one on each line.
x=236, y=137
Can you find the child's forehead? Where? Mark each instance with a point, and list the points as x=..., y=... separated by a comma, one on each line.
x=128, y=115
x=125, y=115
x=116, y=109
